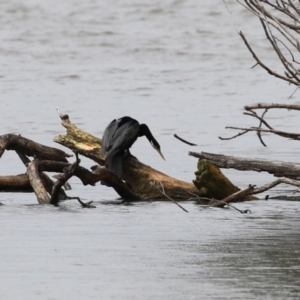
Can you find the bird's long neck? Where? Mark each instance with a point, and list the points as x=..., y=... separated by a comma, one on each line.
x=145, y=131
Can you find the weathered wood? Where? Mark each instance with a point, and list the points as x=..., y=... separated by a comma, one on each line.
x=41, y=183
x=278, y=181
x=21, y=183
x=78, y=140
x=140, y=181
x=117, y=184
x=62, y=179
x=277, y=168
x=15, y=183
x=36, y=182
x=272, y=105
x=143, y=179
x=213, y=184
x=30, y=148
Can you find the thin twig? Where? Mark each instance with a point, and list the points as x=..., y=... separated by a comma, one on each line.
x=184, y=141
x=233, y=137
x=246, y=211
x=293, y=92
x=163, y=192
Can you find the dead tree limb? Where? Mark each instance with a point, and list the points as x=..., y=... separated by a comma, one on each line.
x=272, y=106
x=15, y=183
x=184, y=141
x=36, y=182
x=250, y=111
x=289, y=135
x=277, y=168
x=30, y=148
x=278, y=181
x=68, y=172
x=138, y=175
x=281, y=26
x=117, y=184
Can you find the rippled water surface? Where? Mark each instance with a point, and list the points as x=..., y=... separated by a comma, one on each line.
x=180, y=67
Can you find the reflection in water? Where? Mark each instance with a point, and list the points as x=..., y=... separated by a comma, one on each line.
x=180, y=67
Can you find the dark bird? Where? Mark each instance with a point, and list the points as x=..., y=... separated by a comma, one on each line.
x=118, y=137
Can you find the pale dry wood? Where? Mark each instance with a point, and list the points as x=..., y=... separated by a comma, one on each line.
x=36, y=183
x=277, y=168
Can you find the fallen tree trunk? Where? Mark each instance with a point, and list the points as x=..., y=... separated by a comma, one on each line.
x=140, y=182
x=146, y=182
x=277, y=168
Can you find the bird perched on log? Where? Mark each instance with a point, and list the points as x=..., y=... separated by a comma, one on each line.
x=118, y=137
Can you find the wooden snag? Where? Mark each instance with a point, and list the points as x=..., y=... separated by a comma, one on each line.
x=212, y=183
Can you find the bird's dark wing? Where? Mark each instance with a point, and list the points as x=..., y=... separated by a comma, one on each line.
x=107, y=136
x=118, y=136
x=125, y=136
x=122, y=139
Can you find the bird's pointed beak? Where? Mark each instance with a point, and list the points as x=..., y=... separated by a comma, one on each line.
x=159, y=152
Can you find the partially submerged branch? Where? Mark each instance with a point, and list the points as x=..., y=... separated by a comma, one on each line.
x=68, y=172
x=234, y=197
x=277, y=168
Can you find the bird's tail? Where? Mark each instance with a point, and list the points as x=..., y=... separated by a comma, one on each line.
x=114, y=164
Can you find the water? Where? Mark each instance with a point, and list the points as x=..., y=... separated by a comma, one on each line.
x=180, y=67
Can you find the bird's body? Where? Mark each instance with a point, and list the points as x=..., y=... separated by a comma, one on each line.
x=118, y=137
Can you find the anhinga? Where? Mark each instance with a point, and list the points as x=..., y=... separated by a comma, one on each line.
x=118, y=137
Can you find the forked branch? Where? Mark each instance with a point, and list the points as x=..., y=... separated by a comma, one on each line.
x=280, y=21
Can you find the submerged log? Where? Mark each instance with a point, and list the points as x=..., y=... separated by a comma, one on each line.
x=277, y=168
x=140, y=181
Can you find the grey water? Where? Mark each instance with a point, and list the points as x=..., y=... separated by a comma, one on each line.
x=180, y=67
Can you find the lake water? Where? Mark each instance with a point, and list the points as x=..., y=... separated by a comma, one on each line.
x=180, y=67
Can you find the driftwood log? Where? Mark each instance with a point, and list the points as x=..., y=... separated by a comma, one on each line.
x=288, y=172
x=140, y=181
x=145, y=182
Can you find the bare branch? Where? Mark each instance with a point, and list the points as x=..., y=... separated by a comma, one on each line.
x=235, y=136
x=278, y=19
x=272, y=105
x=164, y=193
x=276, y=182
x=290, y=135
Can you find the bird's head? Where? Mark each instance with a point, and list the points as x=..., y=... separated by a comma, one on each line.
x=156, y=146
x=144, y=130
